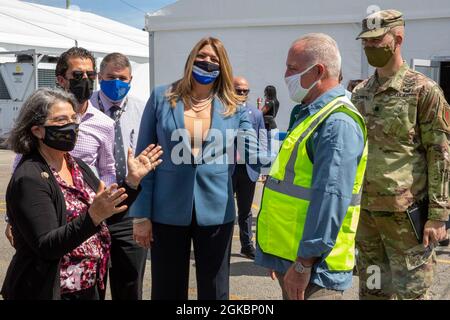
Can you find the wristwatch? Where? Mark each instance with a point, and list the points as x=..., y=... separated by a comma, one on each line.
x=300, y=268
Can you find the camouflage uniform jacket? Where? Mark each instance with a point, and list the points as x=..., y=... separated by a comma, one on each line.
x=408, y=123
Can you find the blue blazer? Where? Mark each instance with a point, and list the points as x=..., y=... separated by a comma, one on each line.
x=169, y=193
x=257, y=120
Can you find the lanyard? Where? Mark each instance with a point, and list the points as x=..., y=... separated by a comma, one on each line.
x=119, y=114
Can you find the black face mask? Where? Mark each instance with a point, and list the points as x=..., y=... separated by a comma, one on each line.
x=207, y=66
x=82, y=89
x=62, y=138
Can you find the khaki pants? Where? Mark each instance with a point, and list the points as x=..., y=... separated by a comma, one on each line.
x=386, y=245
x=312, y=292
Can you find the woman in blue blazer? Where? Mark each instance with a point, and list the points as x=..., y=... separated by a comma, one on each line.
x=196, y=120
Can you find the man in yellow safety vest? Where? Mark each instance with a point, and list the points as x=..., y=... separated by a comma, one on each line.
x=310, y=206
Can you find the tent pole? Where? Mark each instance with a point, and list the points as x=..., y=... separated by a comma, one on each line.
x=35, y=67
x=151, y=59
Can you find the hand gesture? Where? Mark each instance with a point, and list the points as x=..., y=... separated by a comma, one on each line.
x=140, y=166
x=106, y=201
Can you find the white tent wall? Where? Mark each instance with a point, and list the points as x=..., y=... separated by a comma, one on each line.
x=428, y=38
x=51, y=31
x=140, y=87
x=55, y=29
x=258, y=33
x=261, y=61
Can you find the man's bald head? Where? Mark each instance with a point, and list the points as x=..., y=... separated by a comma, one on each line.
x=240, y=82
x=320, y=48
x=241, y=87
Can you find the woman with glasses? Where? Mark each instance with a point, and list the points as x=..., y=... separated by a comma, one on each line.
x=56, y=205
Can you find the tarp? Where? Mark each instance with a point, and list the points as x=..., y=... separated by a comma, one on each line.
x=25, y=25
x=51, y=30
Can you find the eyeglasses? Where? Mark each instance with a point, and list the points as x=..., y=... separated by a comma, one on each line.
x=78, y=75
x=242, y=92
x=63, y=120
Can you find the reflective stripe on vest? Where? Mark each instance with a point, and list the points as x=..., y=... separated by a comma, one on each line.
x=287, y=194
x=300, y=192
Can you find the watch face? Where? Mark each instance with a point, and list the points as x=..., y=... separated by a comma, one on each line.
x=299, y=267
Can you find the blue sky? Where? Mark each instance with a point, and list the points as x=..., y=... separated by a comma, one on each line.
x=130, y=12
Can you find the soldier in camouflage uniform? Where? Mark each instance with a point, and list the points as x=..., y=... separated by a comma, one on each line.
x=408, y=122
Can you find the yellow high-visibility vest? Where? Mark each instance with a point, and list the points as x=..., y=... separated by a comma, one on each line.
x=287, y=192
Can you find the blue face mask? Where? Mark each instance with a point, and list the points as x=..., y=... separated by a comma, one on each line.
x=205, y=72
x=115, y=89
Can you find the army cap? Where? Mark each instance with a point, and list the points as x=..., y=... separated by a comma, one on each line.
x=379, y=23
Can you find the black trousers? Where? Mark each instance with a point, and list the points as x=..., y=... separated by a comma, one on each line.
x=126, y=273
x=245, y=190
x=171, y=252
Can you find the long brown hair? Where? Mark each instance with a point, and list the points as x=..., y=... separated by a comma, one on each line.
x=223, y=86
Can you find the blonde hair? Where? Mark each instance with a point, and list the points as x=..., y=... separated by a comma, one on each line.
x=223, y=86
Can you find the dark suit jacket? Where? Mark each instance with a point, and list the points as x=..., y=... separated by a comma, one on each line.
x=37, y=213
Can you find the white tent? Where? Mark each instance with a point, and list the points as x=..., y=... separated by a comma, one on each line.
x=258, y=33
x=51, y=31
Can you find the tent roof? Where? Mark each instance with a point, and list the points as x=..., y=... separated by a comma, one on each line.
x=54, y=30
x=207, y=14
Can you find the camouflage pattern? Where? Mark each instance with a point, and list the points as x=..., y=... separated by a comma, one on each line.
x=380, y=22
x=387, y=240
x=408, y=122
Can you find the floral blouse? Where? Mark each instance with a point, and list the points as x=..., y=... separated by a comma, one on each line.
x=87, y=264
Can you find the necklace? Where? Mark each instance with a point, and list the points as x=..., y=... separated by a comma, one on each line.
x=201, y=100
x=200, y=104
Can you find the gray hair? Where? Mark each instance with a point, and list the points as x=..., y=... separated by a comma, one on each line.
x=119, y=60
x=34, y=112
x=323, y=49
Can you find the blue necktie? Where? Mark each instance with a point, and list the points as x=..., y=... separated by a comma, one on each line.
x=119, y=152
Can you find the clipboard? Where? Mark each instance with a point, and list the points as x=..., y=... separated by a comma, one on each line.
x=418, y=216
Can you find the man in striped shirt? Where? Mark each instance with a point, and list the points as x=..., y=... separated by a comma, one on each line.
x=75, y=72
